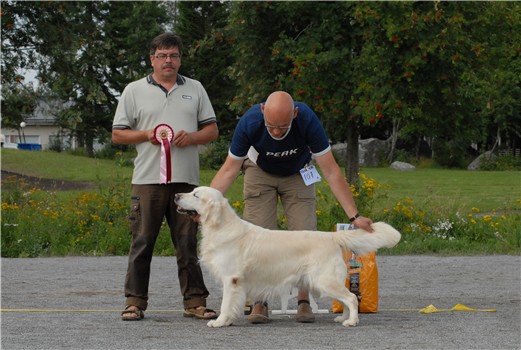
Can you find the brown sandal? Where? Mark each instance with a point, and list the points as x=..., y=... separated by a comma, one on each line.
x=304, y=312
x=127, y=314
x=200, y=312
x=260, y=313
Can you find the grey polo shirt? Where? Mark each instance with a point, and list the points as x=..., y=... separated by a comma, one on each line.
x=144, y=104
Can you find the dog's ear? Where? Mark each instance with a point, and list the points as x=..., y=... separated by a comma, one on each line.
x=214, y=212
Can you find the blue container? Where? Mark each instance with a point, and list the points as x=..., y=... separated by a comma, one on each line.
x=30, y=146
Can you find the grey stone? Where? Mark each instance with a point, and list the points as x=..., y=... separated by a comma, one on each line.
x=402, y=166
x=370, y=151
x=476, y=163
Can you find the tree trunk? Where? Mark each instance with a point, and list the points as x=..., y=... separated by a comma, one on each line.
x=417, y=148
x=352, y=161
x=89, y=146
x=394, y=139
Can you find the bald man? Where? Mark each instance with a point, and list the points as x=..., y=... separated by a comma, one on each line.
x=275, y=144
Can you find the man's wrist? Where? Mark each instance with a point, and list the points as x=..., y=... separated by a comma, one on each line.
x=356, y=216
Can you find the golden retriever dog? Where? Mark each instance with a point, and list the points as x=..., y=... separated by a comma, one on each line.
x=256, y=263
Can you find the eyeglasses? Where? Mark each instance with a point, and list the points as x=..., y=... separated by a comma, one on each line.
x=162, y=56
x=281, y=128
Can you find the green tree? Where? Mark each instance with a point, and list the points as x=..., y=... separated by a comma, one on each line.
x=409, y=70
x=499, y=86
x=305, y=48
x=427, y=66
x=18, y=102
x=86, y=52
x=201, y=25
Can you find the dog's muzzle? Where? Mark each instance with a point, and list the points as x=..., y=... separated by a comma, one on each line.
x=187, y=212
x=182, y=210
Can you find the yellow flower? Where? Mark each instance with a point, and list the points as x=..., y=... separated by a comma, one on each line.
x=7, y=206
x=407, y=212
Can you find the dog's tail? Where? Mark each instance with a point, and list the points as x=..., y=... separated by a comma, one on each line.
x=362, y=242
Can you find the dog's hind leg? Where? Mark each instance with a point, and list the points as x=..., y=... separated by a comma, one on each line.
x=350, y=302
x=234, y=297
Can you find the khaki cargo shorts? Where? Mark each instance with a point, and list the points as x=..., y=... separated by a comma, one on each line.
x=261, y=195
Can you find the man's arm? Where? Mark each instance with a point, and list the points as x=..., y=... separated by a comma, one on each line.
x=128, y=136
x=227, y=174
x=206, y=134
x=341, y=190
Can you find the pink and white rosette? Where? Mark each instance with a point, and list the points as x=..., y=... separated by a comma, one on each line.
x=164, y=135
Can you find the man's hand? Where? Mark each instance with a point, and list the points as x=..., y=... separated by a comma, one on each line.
x=182, y=139
x=364, y=223
x=152, y=137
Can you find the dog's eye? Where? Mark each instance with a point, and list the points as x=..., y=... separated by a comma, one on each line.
x=195, y=195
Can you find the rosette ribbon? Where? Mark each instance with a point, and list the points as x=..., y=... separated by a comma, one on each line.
x=164, y=135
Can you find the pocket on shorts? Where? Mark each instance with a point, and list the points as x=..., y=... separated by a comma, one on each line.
x=248, y=194
x=307, y=193
x=134, y=217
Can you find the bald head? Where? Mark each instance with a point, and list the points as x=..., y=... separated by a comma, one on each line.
x=279, y=108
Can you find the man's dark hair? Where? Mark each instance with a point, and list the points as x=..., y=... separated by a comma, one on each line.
x=166, y=41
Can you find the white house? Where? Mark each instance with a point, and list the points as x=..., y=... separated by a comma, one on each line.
x=40, y=128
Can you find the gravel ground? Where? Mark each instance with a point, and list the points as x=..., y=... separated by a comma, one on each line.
x=75, y=303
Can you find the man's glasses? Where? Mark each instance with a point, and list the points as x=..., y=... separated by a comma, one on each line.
x=162, y=56
x=281, y=128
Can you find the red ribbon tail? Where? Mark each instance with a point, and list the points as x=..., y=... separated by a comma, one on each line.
x=166, y=143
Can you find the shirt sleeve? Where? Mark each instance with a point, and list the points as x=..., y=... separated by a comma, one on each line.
x=240, y=141
x=315, y=133
x=124, y=110
x=206, y=113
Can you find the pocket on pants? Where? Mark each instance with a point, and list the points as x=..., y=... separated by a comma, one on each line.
x=134, y=217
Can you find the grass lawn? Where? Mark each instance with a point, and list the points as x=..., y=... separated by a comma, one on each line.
x=429, y=188
x=63, y=166
x=439, y=188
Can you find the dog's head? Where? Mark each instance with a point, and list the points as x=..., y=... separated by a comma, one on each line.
x=204, y=201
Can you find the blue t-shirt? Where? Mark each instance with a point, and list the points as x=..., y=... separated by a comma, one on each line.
x=279, y=157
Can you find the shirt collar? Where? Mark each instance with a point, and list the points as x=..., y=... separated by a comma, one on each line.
x=180, y=80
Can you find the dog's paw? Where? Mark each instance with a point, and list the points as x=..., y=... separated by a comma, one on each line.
x=218, y=323
x=351, y=322
x=213, y=324
x=340, y=319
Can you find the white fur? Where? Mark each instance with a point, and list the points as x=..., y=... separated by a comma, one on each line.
x=256, y=263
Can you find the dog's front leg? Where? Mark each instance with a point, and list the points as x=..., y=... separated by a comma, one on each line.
x=234, y=297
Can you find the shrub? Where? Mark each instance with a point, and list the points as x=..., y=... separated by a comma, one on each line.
x=214, y=154
x=502, y=162
x=38, y=223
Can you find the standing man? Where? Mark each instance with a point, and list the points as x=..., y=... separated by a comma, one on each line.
x=274, y=143
x=166, y=115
